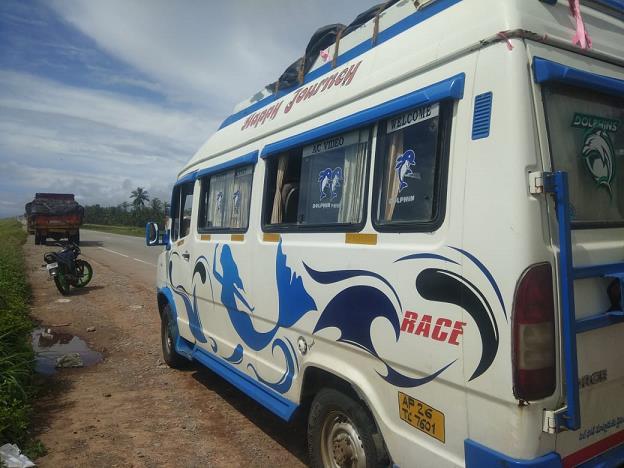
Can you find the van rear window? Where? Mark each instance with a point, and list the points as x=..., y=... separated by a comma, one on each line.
x=586, y=137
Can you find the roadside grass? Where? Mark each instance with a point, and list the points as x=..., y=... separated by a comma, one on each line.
x=125, y=230
x=17, y=360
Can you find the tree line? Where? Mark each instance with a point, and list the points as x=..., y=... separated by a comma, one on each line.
x=139, y=211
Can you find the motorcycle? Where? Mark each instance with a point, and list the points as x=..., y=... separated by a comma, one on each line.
x=67, y=269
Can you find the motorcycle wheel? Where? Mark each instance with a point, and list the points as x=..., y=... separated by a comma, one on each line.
x=62, y=282
x=84, y=273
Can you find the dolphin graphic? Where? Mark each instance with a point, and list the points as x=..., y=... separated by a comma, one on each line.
x=293, y=299
x=325, y=179
x=336, y=179
x=598, y=155
x=403, y=167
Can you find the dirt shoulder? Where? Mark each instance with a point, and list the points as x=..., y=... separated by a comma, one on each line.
x=132, y=410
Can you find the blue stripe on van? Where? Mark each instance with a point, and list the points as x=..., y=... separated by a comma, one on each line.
x=482, y=116
x=478, y=455
x=250, y=158
x=545, y=71
x=615, y=4
x=451, y=88
x=190, y=177
x=410, y=21
x=271, y=400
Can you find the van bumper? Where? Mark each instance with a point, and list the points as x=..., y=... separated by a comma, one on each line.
x=478, y=455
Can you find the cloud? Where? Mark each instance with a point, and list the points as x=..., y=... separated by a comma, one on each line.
x=56, y=137
x=223, y=51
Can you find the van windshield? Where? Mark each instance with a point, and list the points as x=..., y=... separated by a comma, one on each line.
x=586, y=133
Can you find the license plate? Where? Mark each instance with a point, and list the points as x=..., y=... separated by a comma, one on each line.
x=49, y=266
x=423, y=417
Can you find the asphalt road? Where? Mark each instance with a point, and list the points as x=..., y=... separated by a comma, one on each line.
x=127, y=255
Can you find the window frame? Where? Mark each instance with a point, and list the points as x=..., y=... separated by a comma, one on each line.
x=176, y=198
x=204, y=186
x=445, y=120
x=267, y=199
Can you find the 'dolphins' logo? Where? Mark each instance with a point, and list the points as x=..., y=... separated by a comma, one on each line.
x=598, y=154
x=329, y=181
x=403, y=167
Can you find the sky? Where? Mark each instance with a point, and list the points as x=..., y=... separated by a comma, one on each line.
x=100, y=97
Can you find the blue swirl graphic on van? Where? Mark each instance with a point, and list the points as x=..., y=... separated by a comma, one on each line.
x=353, y=311
x=441, y=285
x=285, y=382
x=237, y=355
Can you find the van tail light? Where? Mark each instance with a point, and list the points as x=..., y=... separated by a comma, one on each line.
x=533, y=328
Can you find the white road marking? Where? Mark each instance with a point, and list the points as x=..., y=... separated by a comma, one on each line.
x=112, y=251
x=143, y=261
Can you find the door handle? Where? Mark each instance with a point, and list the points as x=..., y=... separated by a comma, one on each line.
x=186, y=256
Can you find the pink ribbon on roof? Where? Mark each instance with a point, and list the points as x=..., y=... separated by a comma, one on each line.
x=582, y=36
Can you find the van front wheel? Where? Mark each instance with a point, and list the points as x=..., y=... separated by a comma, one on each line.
x=168, y=334
x=341, y=433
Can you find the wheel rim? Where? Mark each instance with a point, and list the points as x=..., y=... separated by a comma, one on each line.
x=341, y=445
x=83, y=274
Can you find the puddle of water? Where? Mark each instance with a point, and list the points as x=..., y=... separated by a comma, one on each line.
x=50, y=344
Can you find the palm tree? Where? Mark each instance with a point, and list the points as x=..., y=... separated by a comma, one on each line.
x=156, y=205
x=139, y=196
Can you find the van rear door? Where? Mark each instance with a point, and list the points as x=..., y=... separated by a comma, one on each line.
x=584, y=119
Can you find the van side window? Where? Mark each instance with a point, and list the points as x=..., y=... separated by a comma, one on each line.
x=225, y=200
x=409, y=170
x=182, y=210
x=321, y=184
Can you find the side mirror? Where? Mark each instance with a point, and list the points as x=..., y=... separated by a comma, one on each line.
x=153, y=235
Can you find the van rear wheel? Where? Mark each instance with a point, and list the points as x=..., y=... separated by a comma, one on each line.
x=169, y=334
x=341, y=433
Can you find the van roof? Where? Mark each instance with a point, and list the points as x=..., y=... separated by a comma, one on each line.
x=435, y=30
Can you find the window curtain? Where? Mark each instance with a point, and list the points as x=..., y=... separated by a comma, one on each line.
x=241, y=189
x=391, y=180
x=277, y=215
x=354, y=179
x=217, y=201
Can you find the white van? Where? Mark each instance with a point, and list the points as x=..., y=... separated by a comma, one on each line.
x=419, y=243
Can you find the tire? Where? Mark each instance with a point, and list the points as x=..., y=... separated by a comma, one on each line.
x=168, y=336
x=62, y=283
x=84, y=273
x=341, y=432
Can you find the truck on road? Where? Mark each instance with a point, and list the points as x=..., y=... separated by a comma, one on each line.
x=55, y=215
